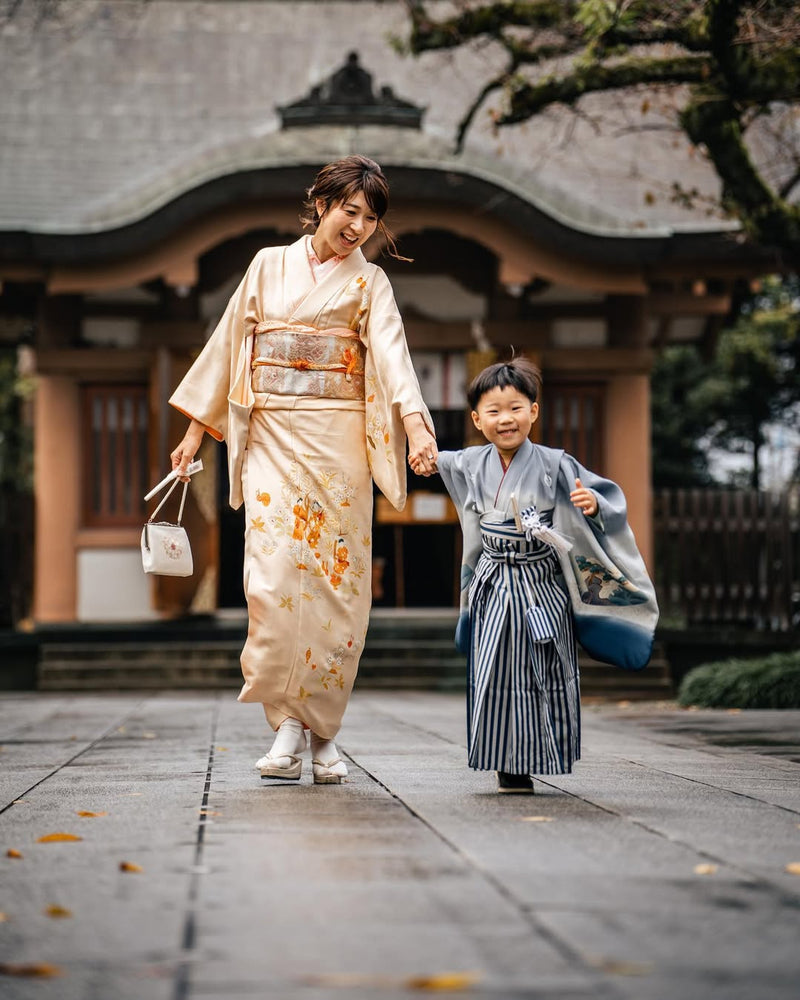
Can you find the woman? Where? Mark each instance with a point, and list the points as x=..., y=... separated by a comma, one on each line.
x=309, y=380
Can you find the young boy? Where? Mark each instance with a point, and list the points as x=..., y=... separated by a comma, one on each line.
x=542, y=535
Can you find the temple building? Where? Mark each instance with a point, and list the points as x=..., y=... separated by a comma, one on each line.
x=147, y=151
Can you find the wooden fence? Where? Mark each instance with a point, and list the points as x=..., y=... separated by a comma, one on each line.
x=728, y=558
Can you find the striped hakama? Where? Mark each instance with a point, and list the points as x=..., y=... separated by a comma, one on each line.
x=523, y=702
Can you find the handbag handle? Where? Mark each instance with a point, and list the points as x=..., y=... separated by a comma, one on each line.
x=166, y=497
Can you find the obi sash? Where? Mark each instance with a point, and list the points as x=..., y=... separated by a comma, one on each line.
x=297, y=360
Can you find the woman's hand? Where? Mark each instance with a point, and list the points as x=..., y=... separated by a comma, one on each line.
x=422, y=450
x=188, y=448
x=584, y=499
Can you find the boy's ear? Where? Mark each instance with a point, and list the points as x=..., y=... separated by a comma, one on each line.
x=534, y=412
x=476, y=419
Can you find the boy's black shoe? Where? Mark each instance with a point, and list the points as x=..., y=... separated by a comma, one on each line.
x=511, y=783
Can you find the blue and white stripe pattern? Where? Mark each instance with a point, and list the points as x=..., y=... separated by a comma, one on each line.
x=523, y=702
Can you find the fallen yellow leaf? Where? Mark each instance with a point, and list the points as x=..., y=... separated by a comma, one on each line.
x=149, y=736
x=450, y=982
x=705, y=869
x=623, y=704
x=52, y=838
x=129, y=866
x=222, y=749
x=12, y=852
x=3, y=918
x=87, y=812
x=734, y=711
x=54, y=910
x=793, y=868
x=40, y=970
x=537, y=819
x=622, y=967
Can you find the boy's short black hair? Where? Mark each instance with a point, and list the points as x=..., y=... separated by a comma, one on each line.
x=519, y=373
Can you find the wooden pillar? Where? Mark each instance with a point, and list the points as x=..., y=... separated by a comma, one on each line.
x=627, y=449
x=57, y=480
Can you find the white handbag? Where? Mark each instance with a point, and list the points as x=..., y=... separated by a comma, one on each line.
x=165, y=546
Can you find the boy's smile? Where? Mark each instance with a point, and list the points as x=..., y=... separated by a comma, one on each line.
x=505, y=417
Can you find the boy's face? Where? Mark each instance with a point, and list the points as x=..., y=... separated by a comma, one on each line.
x=505, y=417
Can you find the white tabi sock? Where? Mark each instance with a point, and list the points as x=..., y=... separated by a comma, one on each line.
x=290, y=740
x=324, y=752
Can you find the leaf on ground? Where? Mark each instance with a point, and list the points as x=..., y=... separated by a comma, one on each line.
x=52, y=838
x=222, y=749
x=734, y=711
x=793, y=868
x=621, y=967
x=149, y=736
x=3, y=917
x=537, y=819
x=88, y=813
x=39, y=970
x=705, y=869
x=449, y=982
x=129, y=866
x=445, y=982
x=12, y=852
x=210, y=812
x=54, y=910
x=623, y=704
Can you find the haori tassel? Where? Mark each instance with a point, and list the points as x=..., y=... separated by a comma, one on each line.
x=533, y=526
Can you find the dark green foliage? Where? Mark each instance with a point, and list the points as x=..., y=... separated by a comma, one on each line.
x=679, y=419
x=727, y=403
x=16, y=440
x=768, y=682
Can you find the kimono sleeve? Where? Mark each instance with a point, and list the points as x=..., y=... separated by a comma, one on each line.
x=612, y=508
x=385, y=339
x=613, y=599
x=451, y=466
x=203, y=392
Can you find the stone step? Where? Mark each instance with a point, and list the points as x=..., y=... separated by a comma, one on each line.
x=403, y=650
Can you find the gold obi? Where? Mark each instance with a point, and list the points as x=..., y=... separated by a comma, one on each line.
x=295, y=360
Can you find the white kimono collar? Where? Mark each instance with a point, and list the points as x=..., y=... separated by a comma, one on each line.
x=314, y=300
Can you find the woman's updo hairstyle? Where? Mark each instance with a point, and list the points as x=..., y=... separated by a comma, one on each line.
x=339, y=181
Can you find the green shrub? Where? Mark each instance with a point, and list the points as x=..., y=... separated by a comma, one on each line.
x=768, y=682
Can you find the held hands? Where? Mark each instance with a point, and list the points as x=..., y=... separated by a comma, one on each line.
x=584, y=499
x=188, y=448
x=422, y=450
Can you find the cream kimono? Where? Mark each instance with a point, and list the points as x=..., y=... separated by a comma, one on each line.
x=308, y=384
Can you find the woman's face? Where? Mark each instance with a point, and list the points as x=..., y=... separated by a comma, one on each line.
x=343, y=227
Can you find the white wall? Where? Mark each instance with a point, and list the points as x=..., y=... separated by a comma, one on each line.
x=112, y=586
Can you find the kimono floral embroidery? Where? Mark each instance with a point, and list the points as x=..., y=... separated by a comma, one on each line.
x=317, y=533
x=263, y=498
x=331, y=676
x=361, y=312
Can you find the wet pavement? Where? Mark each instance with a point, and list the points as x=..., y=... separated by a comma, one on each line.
x=667, y=865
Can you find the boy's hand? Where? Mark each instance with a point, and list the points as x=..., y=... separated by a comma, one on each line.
x=584, y=499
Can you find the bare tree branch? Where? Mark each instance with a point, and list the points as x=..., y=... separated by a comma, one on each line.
x=528, y=99
x=738, y=59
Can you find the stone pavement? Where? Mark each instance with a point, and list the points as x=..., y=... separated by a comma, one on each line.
x=657, y=870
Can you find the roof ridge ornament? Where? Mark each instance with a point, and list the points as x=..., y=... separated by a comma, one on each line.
x=347, y=97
